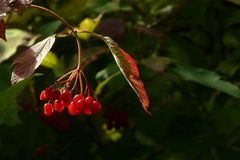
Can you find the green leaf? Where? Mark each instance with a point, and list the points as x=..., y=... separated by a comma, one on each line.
x=15, y=38
x=8, y=107
x=49, y=28
x=88, y=24
x=52, y=61
x=101, y=85
x=207, y=78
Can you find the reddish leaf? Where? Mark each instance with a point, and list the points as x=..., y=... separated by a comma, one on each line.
x=2, y=30
x=129, y=69
x=29, y=60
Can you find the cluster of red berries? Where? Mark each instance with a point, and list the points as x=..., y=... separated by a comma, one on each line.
x=60, y=99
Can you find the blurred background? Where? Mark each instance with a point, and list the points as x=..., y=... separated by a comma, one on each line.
x=188, y=56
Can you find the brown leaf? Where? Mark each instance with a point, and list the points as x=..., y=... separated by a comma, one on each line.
x=129, y=69
x=29, y=60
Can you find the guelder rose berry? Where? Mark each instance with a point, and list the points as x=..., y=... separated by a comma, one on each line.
x=58, y=105
x=72, y=109
x=66, y=97
x=48, y=109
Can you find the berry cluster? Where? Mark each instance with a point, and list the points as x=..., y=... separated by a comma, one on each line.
x=57, y=100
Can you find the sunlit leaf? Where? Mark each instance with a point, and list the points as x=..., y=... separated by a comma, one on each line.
x=52, y=61
x=15, y=38
x=88, y=24
x=29, y=60
x=207, y=78
x=129, y=69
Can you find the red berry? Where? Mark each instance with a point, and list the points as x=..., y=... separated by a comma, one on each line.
x=88, y=105
x=77, y=98
x=87, y=111
x=72, y=109
x=42, y=96
x=48, y=109
x=96, y=106
x=80, y=105
x=88, y=100
x=66, y=97
x=58, y=105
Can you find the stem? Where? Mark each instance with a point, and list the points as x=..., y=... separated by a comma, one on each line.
x=81, y=84
x=86, y=82
x=64, y=76
x=67, y=25
x=75, y=83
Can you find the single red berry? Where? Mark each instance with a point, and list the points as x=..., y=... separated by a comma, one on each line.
x=88, y=105
x=58, y=105
x=66, y=97
x=80, y=105
x=88, y=100
x=77, y=98
x=72, y=109
x=96, y=106
x=42, y=96
x=48, y=109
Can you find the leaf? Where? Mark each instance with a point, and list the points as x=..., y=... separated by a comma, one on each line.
x=2, y=29
x=129, y=69
x=15, y=38
x=29, y=60
x=49, y=28
x=102, y=84
x=52, y=61
x=207, y=78
x=88, y=24
x=8, y=107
